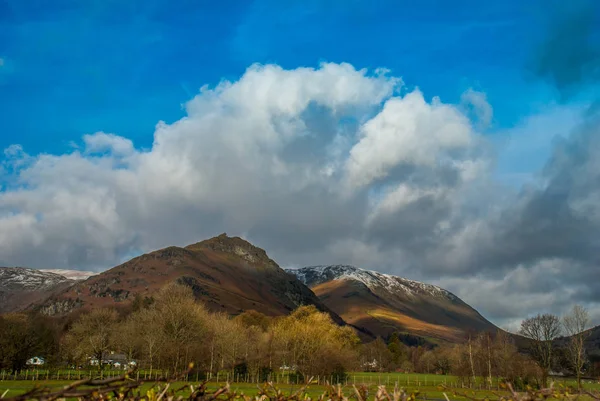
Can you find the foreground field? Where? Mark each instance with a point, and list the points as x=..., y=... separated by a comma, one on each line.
x=10, y=388
x=419, y=380
x=427, y=387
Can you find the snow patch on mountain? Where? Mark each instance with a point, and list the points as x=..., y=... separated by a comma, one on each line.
x=71, y=274
x=28, y=279
x=314, y=275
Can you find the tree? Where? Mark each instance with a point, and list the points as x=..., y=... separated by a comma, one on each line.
x=182, y=323
x=252, y=318
x=24, y=336
x=542, y=330
x=144, y=328
x=312, y=343
x=92, y=334
x=397, y=349
x=375, y=356
x=576, y=325
x=127, y=338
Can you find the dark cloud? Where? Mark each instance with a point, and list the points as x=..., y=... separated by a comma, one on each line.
x=569, y=53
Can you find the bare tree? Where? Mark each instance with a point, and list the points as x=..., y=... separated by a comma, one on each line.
x=182, y=323
x=542, y=330
x=576, y=324
x=91, y=335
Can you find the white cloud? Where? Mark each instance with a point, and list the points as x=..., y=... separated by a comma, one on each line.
x=477, y=102
x=101, y=142
x=326, y=165
x=229, y=164
x=407, y=131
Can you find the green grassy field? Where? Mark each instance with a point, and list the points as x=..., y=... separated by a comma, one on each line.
x=420, y=379
x=425, y=392
x=429, y=386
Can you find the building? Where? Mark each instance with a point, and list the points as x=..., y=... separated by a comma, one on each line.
x=36, y=361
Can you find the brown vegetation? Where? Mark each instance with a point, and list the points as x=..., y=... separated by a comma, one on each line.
x=176, y=329
x=381, y=309
x=227, y=274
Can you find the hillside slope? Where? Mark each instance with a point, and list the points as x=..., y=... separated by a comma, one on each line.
x=382, y=303
x=21, y=287
x=227, y=274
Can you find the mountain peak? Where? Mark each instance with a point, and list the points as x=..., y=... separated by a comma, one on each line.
x=315, y=275
x=20, y=287
x=235, y=246
x=28, y=278
x=381, y=303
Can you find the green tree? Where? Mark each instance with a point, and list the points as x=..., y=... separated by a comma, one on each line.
x=397, y=349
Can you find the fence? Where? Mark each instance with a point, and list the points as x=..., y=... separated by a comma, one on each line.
x=388, y=379
x=402, y=380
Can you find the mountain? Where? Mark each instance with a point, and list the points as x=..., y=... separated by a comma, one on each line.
x=381, y=303
x=227, y=274
x=21, y=287
x=71, y=274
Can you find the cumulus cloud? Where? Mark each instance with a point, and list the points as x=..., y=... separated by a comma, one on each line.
x=325, y=165
x=408, y=131
x=101, y=142
x=270, y=155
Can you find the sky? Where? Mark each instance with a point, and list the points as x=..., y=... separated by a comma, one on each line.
x=456, y=143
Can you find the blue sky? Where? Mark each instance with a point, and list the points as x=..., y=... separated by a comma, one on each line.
x=73, y=67
x=305, y=154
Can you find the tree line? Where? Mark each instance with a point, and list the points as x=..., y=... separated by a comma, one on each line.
x=525, y=360
x=172, y=329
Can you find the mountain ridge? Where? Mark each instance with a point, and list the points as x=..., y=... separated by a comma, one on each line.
x=21, y=287
x=229, y=274
x=383, y=303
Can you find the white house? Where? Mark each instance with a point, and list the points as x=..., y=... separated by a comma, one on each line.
x=36, y=361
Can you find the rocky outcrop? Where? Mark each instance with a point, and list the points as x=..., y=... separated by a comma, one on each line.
x=238, y=247
x=60, y=307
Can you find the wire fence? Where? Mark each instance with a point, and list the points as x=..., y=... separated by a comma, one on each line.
x=368, y=379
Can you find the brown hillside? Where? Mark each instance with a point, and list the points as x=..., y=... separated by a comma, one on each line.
x=382, y=304
x=227, y=274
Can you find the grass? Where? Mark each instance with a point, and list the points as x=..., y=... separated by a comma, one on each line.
x=427, y=385
x=424, y=380
x=17, y=387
